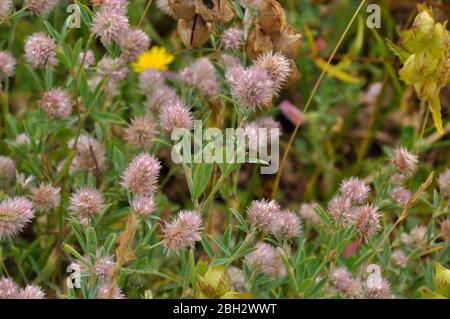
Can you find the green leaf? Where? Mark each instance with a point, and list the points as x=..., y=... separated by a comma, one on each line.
x=76, y=52
x=222, y=247
x=201, y=177
x=106, y=117
x=208, y=248
x=78, y=231
x=435, y=108
x=402, y=54
x=240, y=219
x=91, y=241
x=109, y=242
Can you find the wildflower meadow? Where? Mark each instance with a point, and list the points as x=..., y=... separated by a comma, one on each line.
x=224, y=149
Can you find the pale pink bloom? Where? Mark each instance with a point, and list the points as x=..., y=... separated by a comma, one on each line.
x=109, y=24
x=237, y=278
x=41, y=7
x=31, y=292
x=143, y=205
x=418, y=236
x=104, y=267
x=345, y=283
x=112, y=68
x=380, y=291
x=404, y=161
x=150, y=81
x=291, y=112
x=231, y=38
x=202, y=76
x=22, y=139
x=141, y=176
x=40, y=50
x=286, y=225
x=253, y=89
x=276, y=65
x=7, y=65
x=163, y=96
x=89, y=60
x=400, y=195
x=7, y=170
x=445, y=229
x=86, y=203
x=46, y=197
x=267, y=260
x=8, y=288
x=234, y=74
x=163, y=5
x=355, y=189
x=56, y=103
x=133, y=43
x=400, y=258
x=341, y=210
x=175, y=116
x=307, y=212
x=89, y=156
x=5, y=8
x=141, y=131
x=262, y=213
x=182, y=232
x=371, y=94
x=229, y=60
x=444, y=182
x=367, y=220
x=119, y=6
x=15, y=214
x=104, y=292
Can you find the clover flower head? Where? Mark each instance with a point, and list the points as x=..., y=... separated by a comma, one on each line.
x=141, y=176
x=15, y=214
x=40, y=50
x=182, y=232
x=262, y=213
x=46, y=197
x=56, y=103
x=141, y=131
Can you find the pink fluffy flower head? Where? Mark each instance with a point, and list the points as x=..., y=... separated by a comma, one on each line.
x=119, y=6
x=5, y=8
x=89, y=156
x=7, y=65
x=86, y=203
x=400, y=195
x=183, y=232
x=141, y=132
x=141, y=176
x=253, y=88
x=400, y=258
x=31, y=292
x=380, y=291
x=7, y=170
x=262, y=213
x=40, y=50
x=46, y=197
x=343, y=281
x=355, y=189
x=276, y=65
x=367, y=220
x=404, y=162
x=163, y=5
x=202, y=76
x=160, y=98
x=340, y=209
x=266, y=259
x=15, y=214
x=231, y=38
x=109, y=25
x=150, y=80
x=41, y=7
x=286, y=225
x=175, y=116
x=133, y=43
x=308, y=213
x=56, y=103
x=10, y=290
x=143, y=205
x=444, y=182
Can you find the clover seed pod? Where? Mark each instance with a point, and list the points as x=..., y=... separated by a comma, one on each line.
x=288, y=42
x=194, y=32
x=271, y=16
x=182, y=9
x=215, y=10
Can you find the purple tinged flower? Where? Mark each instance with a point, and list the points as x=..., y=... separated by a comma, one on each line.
x=229, y=60
x=15, y=214
x=276, y=65
x=262, y=213
x=150, y=81
x=109, y=25
x=40, y=50
x=234, y=74
x=417, y=236
x=8, y=288
x=175, y=116
x=237, y=278
x=202, y=76
x=267, y=260
x=86, y=203
x=31, y=292
x=400, y=195
x=22, y=139
x=104, y=267
x=41, y=7
x=7, y=65
x=231, y=38
x=286, y=225
x=104, y=292
x=163, y=96
x=133, y=43
x=367, y=220
x=119, y=6
x=444, y=182
x=182, y=232
x=89, y=60
x=355, y=189
x=400, y=258
x=341, y=210
x=291, y=112
x=343, y=281
x=307, y=212
x=111, y=68
x=404, y=161
x=253, y=88
x=143, y=205
x=141, y=176
x=46, y=197
x=7, y=170
x=56, y=103
x=89, y=156
x=141, y=132
x=5, y=8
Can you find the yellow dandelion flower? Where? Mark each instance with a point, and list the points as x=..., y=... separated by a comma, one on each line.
x=157, y=57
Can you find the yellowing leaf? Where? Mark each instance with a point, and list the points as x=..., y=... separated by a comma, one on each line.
x=335, y=72
x=310, y=38
x=442, y=280
x=435, y=108
x=426, y=294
